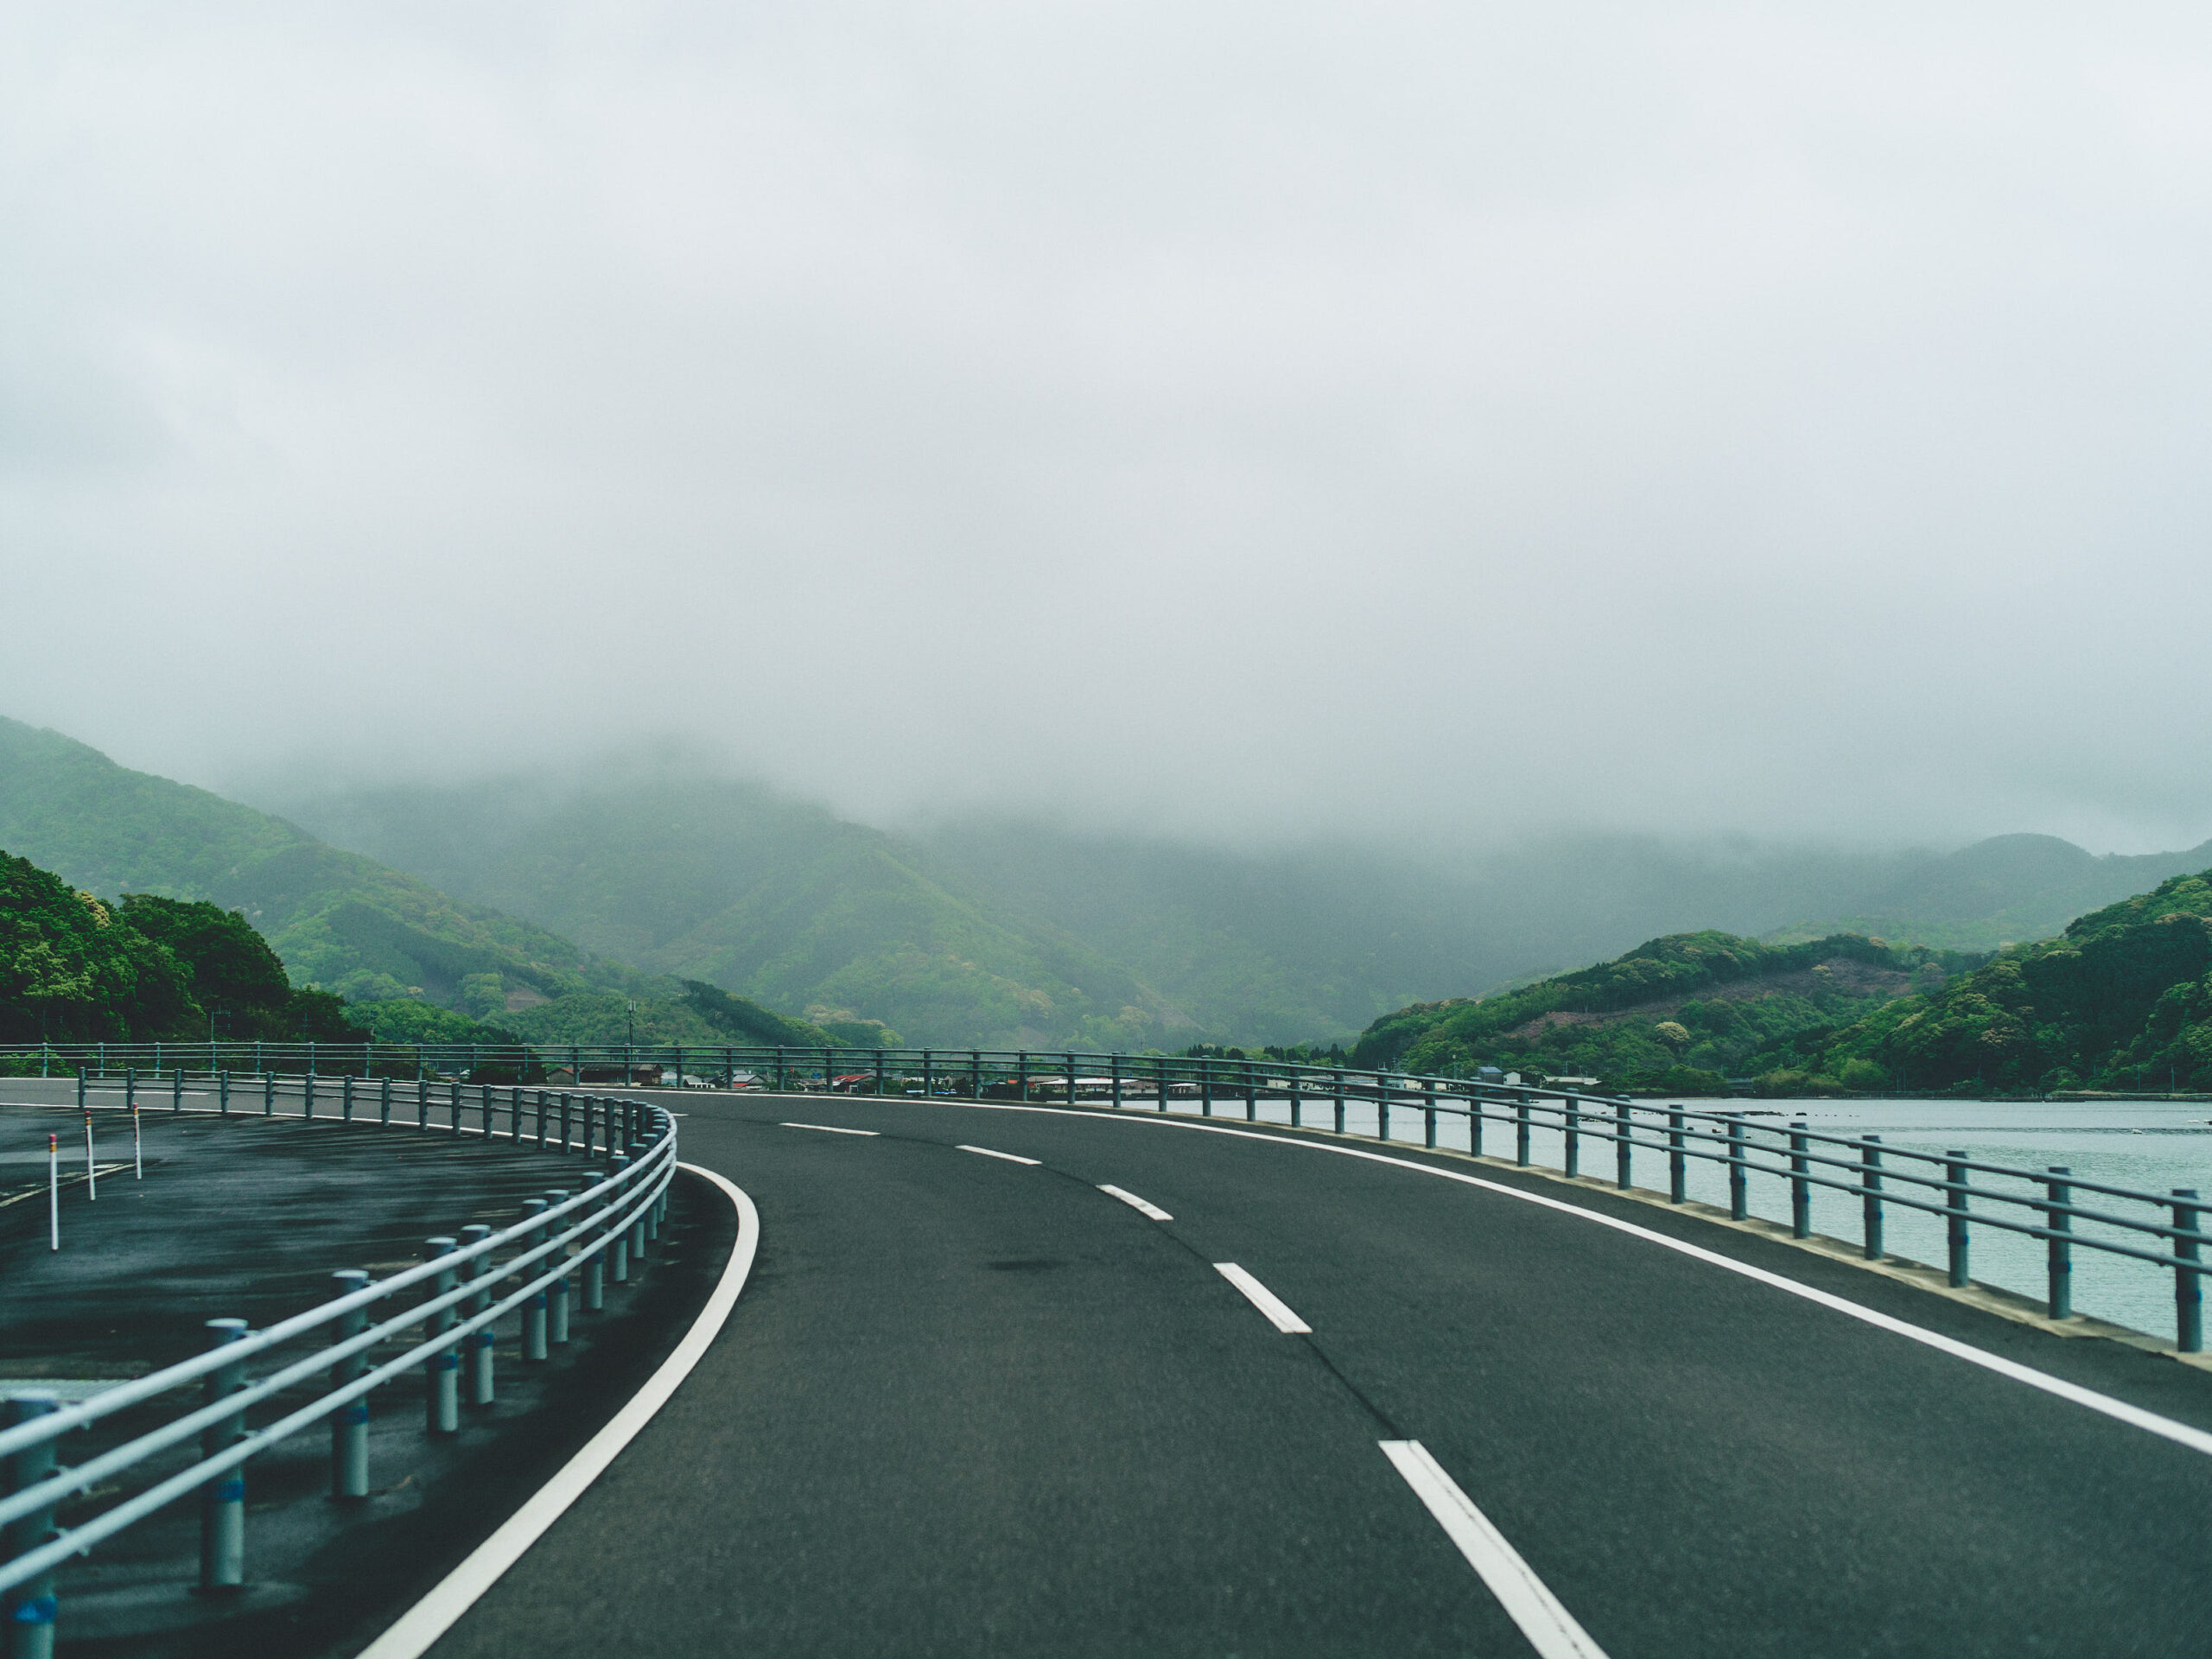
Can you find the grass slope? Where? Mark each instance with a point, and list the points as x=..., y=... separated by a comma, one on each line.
x=335, y=918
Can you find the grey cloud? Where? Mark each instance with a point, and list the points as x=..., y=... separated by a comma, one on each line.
x=1406, y=416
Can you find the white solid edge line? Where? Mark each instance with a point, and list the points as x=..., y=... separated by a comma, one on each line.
x=1277, y=1310
x=2196, y=1440
x=985, y=1152
x=437, y=1612
x=1551, y=1630
x=1135, y=1203
x=828, y=1128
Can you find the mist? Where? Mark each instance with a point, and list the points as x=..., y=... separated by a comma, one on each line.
x=1395, y=424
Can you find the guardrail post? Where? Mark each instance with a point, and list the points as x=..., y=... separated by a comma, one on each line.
x=619, y=1233
x=268, y=1094
x=1429, y=1114
x=481, y=1338
x=1955, y=1218
x=30, y=1605
x=534, y=1310
x=1205, y=1087
x=1870, y=1187
x=222, y=1498
x=595, y=1263
x=1337, y=1098
x=384, y=1102
x=1678, y=1163
x=1739, y=1205
x=422, y=1094
x=1382, y=1106
x=345, y=1103
x=1624, y=1145
x=2189, y=1288
x=1297, y=1098
x=1571, y=1128
x=129, y=1086
x=223, y=1094
x=307, y=1097
x=1251, y=1093
x=177, y=1091
x=1474, y=1121
x=556, y=1294
x=453, y=1105
x=349, y=1425
x=80, y=1088
x=2059, y=1302
x=1801, y=1189
x=1520, y=1128
x=442, y=1371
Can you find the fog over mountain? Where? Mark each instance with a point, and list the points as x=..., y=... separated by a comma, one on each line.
x=1406, y=425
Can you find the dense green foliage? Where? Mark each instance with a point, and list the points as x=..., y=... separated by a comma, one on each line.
x=236, y=978
x=70, y=971
x=1681, y=1015
x=73, y=970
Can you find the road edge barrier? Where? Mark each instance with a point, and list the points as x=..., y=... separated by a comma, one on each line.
x=429, y=1618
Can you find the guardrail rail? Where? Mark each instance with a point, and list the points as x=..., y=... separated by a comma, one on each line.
x=321, y=1364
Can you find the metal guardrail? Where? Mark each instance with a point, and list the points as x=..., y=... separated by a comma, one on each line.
x=464, y=1286
x=2162, y=1231
x=2158, y=1232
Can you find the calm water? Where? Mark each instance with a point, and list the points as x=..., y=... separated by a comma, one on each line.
x=2148, y=1146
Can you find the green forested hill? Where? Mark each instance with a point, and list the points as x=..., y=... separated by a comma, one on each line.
x=1680, y=1015
x=722, y=881
x=1000, y=930
x=2122, y=1000
x=336, y=919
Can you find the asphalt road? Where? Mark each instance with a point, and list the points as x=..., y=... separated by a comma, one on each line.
x=969, y=1406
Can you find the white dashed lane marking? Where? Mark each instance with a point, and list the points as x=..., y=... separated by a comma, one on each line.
x=1266, y=1300
x=985, y=1152
x=1551, y=1630
x=1135, y=1203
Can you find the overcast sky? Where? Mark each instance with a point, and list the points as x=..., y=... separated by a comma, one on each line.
x=1227, y=418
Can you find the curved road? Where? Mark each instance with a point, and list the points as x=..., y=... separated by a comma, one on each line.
x=973, y=1406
